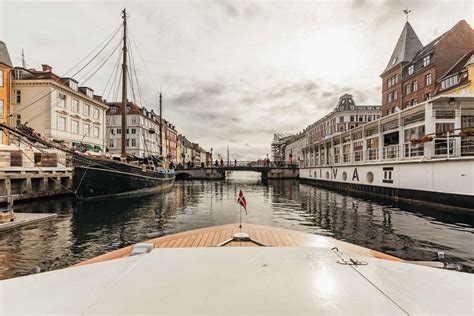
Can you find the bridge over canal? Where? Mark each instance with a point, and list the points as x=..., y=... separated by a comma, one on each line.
x=218, y=172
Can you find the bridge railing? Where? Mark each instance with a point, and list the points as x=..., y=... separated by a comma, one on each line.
x=239, y=163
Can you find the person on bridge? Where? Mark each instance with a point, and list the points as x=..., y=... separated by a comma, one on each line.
x=217, y=163
x=222, y=162
x=235, y=162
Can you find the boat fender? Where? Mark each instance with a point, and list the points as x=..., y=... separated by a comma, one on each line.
x=141, y=248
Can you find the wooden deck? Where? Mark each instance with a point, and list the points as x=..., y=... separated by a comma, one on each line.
x=269, y=236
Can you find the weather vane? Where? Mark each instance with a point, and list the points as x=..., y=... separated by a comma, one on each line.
x=407, y=12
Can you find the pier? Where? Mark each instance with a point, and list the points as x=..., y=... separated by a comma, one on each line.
x=22, y=183
x=218, y=172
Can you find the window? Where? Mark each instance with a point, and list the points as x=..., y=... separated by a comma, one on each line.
x=87, y=129
x=128, y=131
x=134, y=120
x=341, y=119
x=407, y=104
x=1, y=108
x=426, y=61
x=18, y=119
x=444, y=127
x=134, y=131
x=389, y=97
x=75, y=105
x=352, y=118
x=449, y=82
x=96, y=132
x=96, y=113
x=414, y=102
x=75, y=126
x=61, y=100
x=427, y=79
x=119, y=131
x=415, y=86
x=73, y=85
x=134, y=142
x=127, y=143
x=61, y=123
x=427, y=96
x=1, y=78
x=17, y=97
x=111, y=143
x=89, y=93
x=411, y=69
x=407, y=89
x=87, y=109
x=467, y=121
x=395, y=95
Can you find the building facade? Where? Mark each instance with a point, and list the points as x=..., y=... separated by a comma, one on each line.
x=143, y=130
x=171, y=139
x=58, y=108
x=412, y=73
x=459, y=80
x=5, y=70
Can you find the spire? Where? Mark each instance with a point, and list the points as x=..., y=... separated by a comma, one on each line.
x=407, y=46
x=4, y=56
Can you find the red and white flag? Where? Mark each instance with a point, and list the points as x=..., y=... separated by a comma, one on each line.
x=241, y=201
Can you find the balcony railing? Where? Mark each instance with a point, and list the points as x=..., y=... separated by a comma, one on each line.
x=390, y=152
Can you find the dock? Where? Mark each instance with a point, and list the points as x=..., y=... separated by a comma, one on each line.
x=24, y=219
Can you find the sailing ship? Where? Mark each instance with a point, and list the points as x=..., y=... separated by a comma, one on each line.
x=99, y=176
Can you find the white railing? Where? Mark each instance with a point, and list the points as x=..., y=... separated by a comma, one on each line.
x=413, y=150
x=441, y=147
x=390, y=152
x=372, y=154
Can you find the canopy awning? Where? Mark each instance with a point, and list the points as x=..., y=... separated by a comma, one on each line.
x=89, y=147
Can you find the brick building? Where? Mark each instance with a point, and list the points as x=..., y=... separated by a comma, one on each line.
x=411, y=74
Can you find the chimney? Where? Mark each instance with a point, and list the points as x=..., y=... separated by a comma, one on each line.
x=47, y=68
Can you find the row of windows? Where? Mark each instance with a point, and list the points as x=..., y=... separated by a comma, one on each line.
x=449, y=82
x=426, y=62
x=119, y=131
x=87, y=130
x=75, y=106
x=112, y=142
x=392, y=96
x=393, y=80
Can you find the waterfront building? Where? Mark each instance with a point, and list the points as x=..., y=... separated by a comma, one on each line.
x=187, y=149
x=293, y=149
x=196, y=155
x=171, y=139
x=143, y=130
x=5, y=70
x=411, y=75
x=459, y=79
x=58, y=108
x=278, y=146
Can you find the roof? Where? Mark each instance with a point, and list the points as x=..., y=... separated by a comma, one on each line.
x=458, y=66
x=408, y=45
x=4, y=56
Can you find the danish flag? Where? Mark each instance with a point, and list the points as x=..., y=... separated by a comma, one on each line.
x=241, y=201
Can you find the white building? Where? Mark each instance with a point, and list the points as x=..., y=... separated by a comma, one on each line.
x=143, y=130
x=58, y=108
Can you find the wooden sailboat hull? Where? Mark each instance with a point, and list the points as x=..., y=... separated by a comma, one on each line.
x=100, y=178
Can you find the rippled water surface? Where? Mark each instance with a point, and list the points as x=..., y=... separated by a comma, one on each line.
x=87, y=229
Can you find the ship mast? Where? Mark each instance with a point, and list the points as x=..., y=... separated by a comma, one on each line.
x=124, y=86
x=161, y=129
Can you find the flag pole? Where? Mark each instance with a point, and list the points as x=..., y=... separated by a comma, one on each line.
x=240, y=222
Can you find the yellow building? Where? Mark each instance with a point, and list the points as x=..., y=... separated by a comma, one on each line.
x=460, y=78
x=5, y=83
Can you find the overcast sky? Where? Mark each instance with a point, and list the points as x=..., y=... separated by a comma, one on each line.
x=233, y=72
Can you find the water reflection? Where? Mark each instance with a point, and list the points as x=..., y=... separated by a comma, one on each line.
x=87, y=229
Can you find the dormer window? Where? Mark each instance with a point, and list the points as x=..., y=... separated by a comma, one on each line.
x=90, y=93
x=73, y=85
x=426, y=61
x=411, y=69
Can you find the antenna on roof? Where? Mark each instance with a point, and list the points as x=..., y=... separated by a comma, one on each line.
x=407, y=12
x=23, y=62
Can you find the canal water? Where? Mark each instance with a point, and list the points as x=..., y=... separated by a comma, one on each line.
x=86, y=229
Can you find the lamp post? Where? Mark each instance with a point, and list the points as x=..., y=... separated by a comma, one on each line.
x=211, y=158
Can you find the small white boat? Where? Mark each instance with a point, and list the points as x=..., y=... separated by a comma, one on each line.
x=249, y=270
